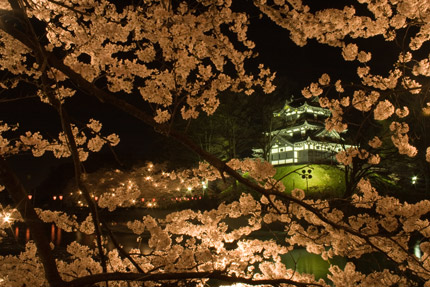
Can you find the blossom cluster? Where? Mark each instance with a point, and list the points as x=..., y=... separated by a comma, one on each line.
x=38, y=145
x=346, y=157
x=401, y=140
x=147, y=185
x=204, y=241
x=383, y=95
x=186, y=40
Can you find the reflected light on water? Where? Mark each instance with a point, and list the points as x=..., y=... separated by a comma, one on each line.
x=27, y=234
x=56, y=234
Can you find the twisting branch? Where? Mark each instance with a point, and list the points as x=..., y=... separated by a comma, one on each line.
x=71, y=8
x=41, y=58
x=120, y=249
x=218, y=275
x=66, y=125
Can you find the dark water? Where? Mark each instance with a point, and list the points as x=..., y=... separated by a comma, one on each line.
x=298, y=259
x=61, y=238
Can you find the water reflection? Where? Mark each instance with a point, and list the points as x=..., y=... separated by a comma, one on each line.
x=61, y=238
x=27, y=234
x=22, y=234
x=52, y=233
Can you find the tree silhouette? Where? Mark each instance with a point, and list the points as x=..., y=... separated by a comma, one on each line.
x=162, y=61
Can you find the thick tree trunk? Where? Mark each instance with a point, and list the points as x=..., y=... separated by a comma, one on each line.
x=25, y=208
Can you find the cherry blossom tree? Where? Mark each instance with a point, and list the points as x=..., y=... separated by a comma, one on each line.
x=178, y=57
x=145, y=185
x=384, y=97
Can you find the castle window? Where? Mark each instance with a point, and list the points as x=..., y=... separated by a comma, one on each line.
x=301, y=148
x=283, y=155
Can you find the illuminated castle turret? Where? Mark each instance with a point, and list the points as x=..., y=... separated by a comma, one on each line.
x=301, y=136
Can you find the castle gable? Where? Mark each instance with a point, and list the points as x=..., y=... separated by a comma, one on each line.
x=301, y=137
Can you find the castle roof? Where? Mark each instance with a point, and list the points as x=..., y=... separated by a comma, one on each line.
x=301, y=122
x=289, y=110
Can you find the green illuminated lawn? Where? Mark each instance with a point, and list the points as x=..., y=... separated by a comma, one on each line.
x=304, y=262
x=326, y=179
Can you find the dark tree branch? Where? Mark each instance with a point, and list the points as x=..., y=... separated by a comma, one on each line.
x=118, y=276
x=42, y=60
x=121, y=250
x=107, y=97
x=37, y=227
